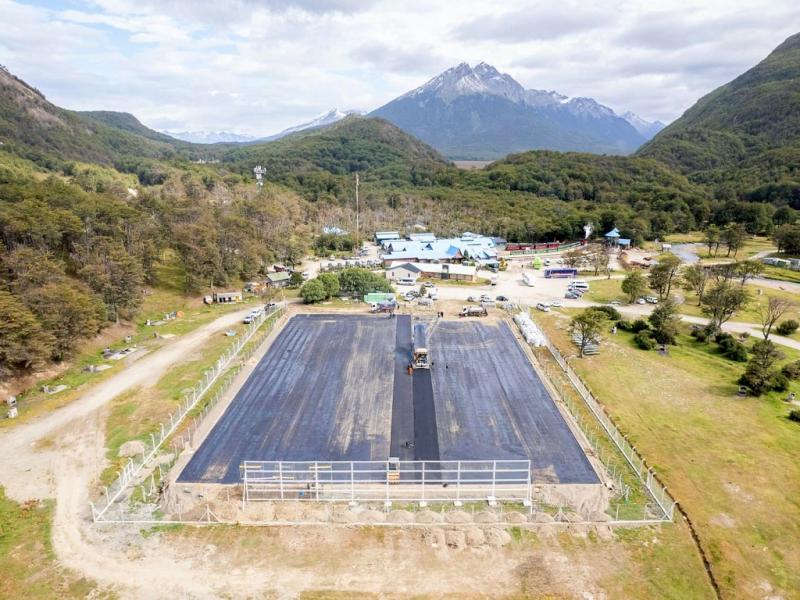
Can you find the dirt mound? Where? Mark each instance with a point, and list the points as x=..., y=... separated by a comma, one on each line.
x=515, y=517
x=456, y=538
x=400, y=516
x=485, y=516
x=540, y=517
x=458, y=516
x=475, y=537
x=428, y=516
x=497, y=537
x=131, y=448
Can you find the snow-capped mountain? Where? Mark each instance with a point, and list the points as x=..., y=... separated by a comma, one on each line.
x=328, y=118
x=480, y=113
x=647, y=129
x=210, y=137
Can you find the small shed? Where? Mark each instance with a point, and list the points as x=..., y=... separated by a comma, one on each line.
x=624, y=243
x=279, y=279
x=227, y=297
x=381, y=237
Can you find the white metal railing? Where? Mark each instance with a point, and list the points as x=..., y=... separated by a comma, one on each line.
x=371, y=481
x=658, y=492
x=134, y=467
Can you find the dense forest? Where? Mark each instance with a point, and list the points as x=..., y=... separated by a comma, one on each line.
x=91, y=202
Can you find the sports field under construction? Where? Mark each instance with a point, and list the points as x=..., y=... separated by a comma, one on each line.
x=337, y=387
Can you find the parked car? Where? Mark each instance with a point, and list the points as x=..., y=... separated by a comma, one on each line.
x=571, y=296
x=472, y=299
x=427, y=284
x=555, y=304
x=615, y=303
x=249, y=319
x=425, y=302
x=543, y=307
x=502, y=298
x=641, y=301
x=651, y=299
x=486, y=298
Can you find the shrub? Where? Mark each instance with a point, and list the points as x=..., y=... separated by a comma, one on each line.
x=624, y=325
x=610, y=311
x=792, y=370
x=780, y=383
x=794, y=415
x=788, y=327
x=731, y=348
x=644, y=339
x=313, y=291
x=639, y=325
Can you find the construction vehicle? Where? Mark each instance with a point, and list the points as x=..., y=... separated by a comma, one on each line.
x=503, y=264
x=473, y=311
x=420, y=358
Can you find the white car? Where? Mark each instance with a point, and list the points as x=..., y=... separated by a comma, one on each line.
x=641, y=301
x=543, y=307
x=556, y=304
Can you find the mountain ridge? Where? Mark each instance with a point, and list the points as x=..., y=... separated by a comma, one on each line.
x=463, y=106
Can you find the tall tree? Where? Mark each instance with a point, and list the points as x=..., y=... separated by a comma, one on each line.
x=634, y=285
x=586, y=328
x=23, y=342
x=665, y=322
x=733, y=236
x=760, y=372
x=723, y=301
x=711, y=239
x=772, y=312
x=695, y=279
x=663, y=274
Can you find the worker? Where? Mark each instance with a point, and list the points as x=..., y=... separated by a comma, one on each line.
x=410, y=369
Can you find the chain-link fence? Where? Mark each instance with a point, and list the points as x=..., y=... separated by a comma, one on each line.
x=559, y=372
x=134, y=473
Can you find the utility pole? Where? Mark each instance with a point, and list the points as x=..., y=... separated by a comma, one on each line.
x=358, y=241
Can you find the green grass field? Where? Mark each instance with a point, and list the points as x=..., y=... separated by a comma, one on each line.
x=27, y=562
x=731, y=463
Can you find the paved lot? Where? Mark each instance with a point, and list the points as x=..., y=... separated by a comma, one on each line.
x=322, y=392
x=336, y=387
x=491, y=404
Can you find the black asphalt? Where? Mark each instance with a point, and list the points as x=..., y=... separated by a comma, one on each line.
x=336, y=387
x=322, y=392
x=491, y=404
x=402, y=443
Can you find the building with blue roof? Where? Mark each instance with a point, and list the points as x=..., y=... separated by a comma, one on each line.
x=467, y=247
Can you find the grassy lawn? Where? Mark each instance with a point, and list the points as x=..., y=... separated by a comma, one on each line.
x=28, y=568
x=772, y=272
x=605, y=290
x=140, y=412
x=731, y=463
x=750, y=313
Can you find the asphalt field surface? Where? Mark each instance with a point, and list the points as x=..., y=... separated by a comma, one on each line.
x=323, y=391
x=337, y=388
x=491, y=404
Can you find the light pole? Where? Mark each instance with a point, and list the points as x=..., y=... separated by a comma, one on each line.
x=358, y=241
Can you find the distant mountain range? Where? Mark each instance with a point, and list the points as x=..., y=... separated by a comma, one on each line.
x=210, y=137
x=480, y=113
x=217, y=137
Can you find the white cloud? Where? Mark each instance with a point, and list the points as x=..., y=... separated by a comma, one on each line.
x=258, y=66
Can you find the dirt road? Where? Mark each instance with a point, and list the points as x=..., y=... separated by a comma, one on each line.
x=35, y=445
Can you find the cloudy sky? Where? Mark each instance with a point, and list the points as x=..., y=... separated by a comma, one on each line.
x=258, y=66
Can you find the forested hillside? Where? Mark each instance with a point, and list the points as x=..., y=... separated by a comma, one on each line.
x=743, y=139
x=91, y=202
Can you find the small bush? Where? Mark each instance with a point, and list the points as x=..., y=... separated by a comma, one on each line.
x=610, y=311
x=731, y=348
x=792, y=370
x=787, y=327
x=639, y=325
x=624, y=325
x=644, y=339
x=780, y=383
x=794, y=415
